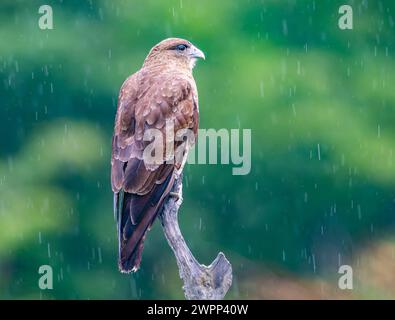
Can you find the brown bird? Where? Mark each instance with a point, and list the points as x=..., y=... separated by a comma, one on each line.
x=162, y=92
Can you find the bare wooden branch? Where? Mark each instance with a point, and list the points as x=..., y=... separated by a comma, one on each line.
x=200, y=282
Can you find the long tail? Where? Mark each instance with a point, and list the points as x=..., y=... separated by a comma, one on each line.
x=131, y=234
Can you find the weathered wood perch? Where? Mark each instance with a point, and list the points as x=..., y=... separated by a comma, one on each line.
x=200, y=282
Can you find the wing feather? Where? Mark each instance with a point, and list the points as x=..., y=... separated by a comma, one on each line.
x=148, y=99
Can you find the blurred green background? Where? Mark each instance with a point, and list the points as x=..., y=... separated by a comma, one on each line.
x=321, y=105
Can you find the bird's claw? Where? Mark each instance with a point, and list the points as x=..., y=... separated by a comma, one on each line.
x=176, y=195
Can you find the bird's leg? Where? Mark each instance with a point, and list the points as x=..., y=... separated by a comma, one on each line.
x=176, y=195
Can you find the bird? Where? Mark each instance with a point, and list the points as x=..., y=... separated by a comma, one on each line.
x=163, y=91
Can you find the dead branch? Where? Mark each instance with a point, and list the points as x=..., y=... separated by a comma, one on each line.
x=200, y=282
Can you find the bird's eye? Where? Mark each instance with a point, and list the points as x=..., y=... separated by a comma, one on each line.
x=181, y=47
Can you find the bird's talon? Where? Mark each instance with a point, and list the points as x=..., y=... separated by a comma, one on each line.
x=175, y=195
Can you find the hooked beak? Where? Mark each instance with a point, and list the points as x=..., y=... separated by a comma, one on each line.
x=197, y=53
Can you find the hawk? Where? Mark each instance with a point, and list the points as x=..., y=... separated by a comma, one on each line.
x=162, y=92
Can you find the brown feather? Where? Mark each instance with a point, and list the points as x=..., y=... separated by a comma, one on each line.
x=162, y=90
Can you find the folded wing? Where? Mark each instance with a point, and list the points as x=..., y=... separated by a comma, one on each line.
x=148, y=100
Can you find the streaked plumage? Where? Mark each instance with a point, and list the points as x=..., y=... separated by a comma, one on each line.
x=162, y=90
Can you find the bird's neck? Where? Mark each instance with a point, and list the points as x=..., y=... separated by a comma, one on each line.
x=169, y=66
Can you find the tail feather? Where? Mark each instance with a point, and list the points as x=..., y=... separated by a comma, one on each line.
x=132, y=231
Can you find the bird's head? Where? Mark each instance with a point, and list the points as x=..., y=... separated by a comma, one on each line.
x=174, y=51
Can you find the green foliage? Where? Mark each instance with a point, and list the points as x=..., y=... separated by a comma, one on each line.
x=319, y=101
